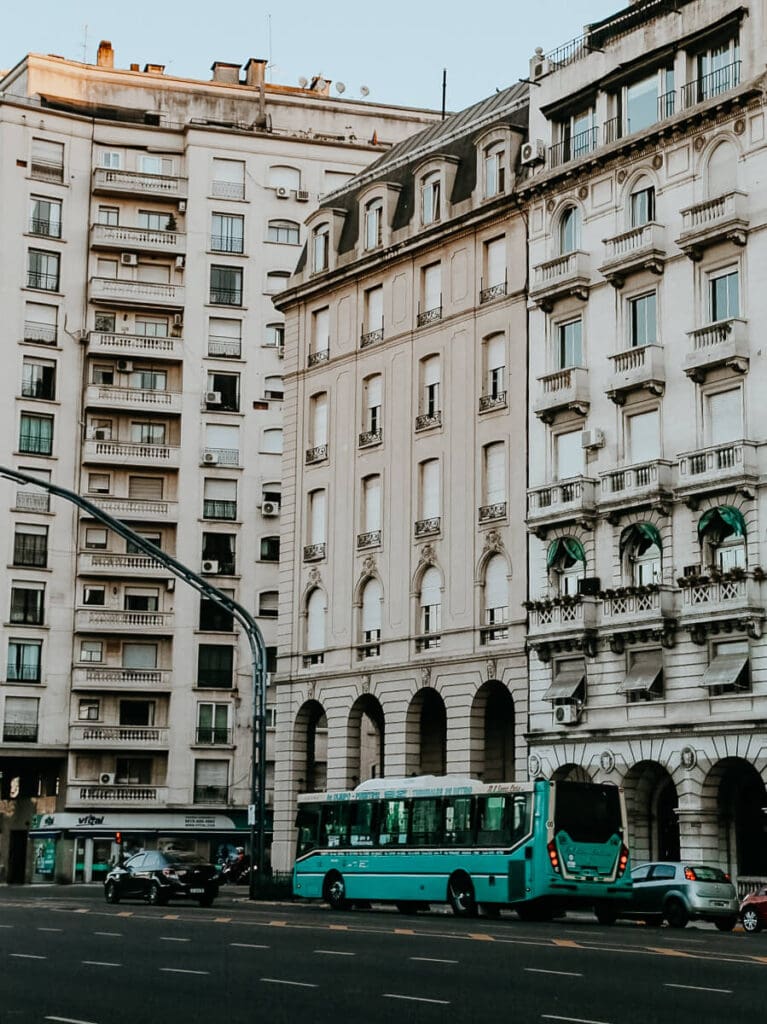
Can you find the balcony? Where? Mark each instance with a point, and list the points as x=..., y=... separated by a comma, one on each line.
x=102, y=677
x=488, y=403
x=116, y=796
x=371, y=539
x=560, y=278
x=723, y=344
x=563, y=391
x=211, y=794
x=136, y=399
x=314, y=552
x=107, y=182
x=429, y=316
x=122, y=292
x=315, y=358
x=369, y=438
x=574, y=147
x=113, y=564
x=134, y=346
x=641, y=486
x=638, y=607
x=316, y=454
x=707, y=599
x=713, y=84
x=642, y=248
x=724, y=219
x=127, y=737
x=556, y=618
x=135, y=510
x=130, y=453
x=718, y=468
x=19, y=732
x=637, y=369
x=118, y=620
x=115, y=238
x=494, y=291
x=220, y=457
x=371, y=338
x=491, y=513
x=428, y=527
x=33, y=501
x=428, y=420
x=566, y=501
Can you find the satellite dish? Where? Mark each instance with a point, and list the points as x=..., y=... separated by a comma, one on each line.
x=340, y=88
x=303, y=82
x=364, y=91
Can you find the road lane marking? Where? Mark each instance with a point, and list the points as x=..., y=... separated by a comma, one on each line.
x=170, y=917
x=125, y=913
x=700, y=988
x=6, y=926
x=567, y=943
x=82, y=910
x=99, y=963
x=181, y=970
x=481, y=937
x=69, y=1020
x=572, y=1020
x=222, y=920
x=404, y=931
x=564, y=974
x=247, y=945
x=432, y=960
x=416, y=999
x=50, y=929
x=27, y=956
x=283, y=981
x=667, y=951
x=334, y=952
x=280, y=924
x=111, y=935
x=172, y=938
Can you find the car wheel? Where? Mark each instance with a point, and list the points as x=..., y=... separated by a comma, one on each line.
x=460, y=895
x=606, y=914
x=111, y=892
x=156, y=897
x=726, y=924
x=334, y=891
x=676, y=914
x=206, y=901
x=751, y=921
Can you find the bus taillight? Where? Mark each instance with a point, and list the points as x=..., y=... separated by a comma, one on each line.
x=553, y=855
x=623, y=860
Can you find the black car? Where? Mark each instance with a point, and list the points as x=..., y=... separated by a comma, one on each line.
x=159, y=877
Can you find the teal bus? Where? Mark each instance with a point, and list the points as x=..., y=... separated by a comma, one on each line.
x=538, y=848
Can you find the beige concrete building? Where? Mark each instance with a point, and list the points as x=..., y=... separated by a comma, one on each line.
x=401, y=622
x=146, y=223
x=646, y=203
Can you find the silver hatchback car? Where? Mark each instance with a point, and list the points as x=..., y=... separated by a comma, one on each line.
x=679, y=892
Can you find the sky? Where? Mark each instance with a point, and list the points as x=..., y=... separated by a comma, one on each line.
x=396, y=48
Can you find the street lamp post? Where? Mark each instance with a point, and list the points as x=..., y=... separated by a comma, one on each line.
x=257, y=811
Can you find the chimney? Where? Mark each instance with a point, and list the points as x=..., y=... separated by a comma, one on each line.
x=255, y=72
x=154, y=69
x=224, y=72
x=105, y=56
x=134, y=67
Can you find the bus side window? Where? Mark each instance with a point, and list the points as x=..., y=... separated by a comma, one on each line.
x=425, y=822
x=520, y=816
x=393, y=823
x=492, y=827
x=308, y=825
x=361, y=826
x=457, y=821
x=335, y=825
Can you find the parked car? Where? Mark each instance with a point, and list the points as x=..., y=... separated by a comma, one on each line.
x=753, y=910
x=679, y=892
x=159, y=877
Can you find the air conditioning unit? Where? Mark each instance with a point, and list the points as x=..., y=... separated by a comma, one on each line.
x=178, y=319
x=533, y=153
x=129, y=259
x=567, y=714
x=213, y=398
x=182, y=206
x=180, y=262
x=589, y=586
x=209, y=565
x=270, y=508
x=592, y=438
x=101, y=434
x=282, y=193
x=539, y=68
x=302, y=195
x=210, y=459
x=125, y=365
x=107, y=778
x=280, y=351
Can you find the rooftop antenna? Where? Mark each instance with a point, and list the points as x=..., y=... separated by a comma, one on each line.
x=269, y=37
x=364, y=91
x=85, y=43
x=444, y=91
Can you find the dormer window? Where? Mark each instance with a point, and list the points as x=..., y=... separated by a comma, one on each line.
x=373, y=224
x=320, y=248
x=430, y=198
x=495, y=183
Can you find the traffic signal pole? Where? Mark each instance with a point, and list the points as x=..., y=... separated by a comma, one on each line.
x=257, y=811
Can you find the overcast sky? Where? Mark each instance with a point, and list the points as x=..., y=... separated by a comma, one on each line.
x=397, y=48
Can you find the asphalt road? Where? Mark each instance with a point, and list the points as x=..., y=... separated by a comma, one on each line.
x=67, y=957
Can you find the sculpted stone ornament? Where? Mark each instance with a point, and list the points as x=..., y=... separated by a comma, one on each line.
x=492, y=668
x=365, y=687
x=428, y=556
x=493, y=542
x=314, y=576
x=688, y=757
x=607, y=761
x=426, y=675
x=533, y=766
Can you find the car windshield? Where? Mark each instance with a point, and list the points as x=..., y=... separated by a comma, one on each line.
x=706, y=874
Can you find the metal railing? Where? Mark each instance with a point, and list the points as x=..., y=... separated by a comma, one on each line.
x=226, y=296
x=370, y=437
x=19, y=732
x=46, y=170
x=494, y=291
x=31, y=502
x=45, y=226
x=226, y=243
x=490, y=513
x=428, y=527
x=215, y=678
x=212, y=736
x=429, y=316
x=322, y=356
x=211, y=794
x=711, y=85
x=220, y=456
x=30, y=551
x=314, y=552
x=371, y=539
x=316, y=454
x=226, y=348
x=574, y=147
x=44, y=334
x=371, y=338
x=217, y=509
x=22, y=673
x=427, y=420
x=228, y=190
x=43, y=282
x=488, y=402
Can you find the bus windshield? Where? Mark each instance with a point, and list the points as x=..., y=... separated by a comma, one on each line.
x=588, y=813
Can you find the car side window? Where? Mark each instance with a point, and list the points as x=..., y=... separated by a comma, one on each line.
x=663, y=871
x=640, y=874
x=152, y=862
x=136, y=863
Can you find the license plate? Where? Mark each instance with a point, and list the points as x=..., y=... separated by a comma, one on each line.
x=719, y=903
x=197, y=892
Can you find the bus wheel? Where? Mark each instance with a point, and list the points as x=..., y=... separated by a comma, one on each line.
x=334, y=891
x=460, y=895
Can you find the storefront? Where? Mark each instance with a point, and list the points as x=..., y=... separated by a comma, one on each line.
x=70, y=847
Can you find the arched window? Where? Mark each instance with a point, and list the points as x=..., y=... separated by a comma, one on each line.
x=430, y=603
x=430, y=493
x=273, y=387
x=372, y=398
x=495, y=182
x=496, y=599
x=430, y=381
x=281, y=177
x=276, y=281
x=566, y=559
x=494, y=350
x=641, y=554
x=371, y=506
x=642, y=203
x=372, y=595
x=722, y=535
x=722, y=170
x=317, y=517
x=270, y=549
x=431, y=188
x=569, y=230
x=373, y=223
x=319, y=419
x=320, y=248
x=494, y=472
x=284, y=231
x=315, y=626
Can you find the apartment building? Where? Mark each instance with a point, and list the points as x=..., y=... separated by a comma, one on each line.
x=147, y=222
x=403, y=575
x=646, y=165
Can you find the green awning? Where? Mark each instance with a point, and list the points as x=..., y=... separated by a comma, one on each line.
x=724, y=521
x=640, y=536
x=567, y=547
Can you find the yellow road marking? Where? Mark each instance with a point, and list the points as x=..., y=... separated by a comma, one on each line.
x=170, y=917
x=278, y=924
x=664, y=951
x=568, y=943
x=339, y=927
x=222, y=920
x=760, y=959
x=125, y=913
x=82, y=910
x=404, y=931
x=481, y=937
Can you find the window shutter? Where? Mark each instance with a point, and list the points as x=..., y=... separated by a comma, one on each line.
x=371, y=606
x=46, y=152
x=375, y=309
x=495, y=473
x=146, y=488
x=496, y=352
x=496, y=262
x=222, y=327
x=139, y=656
x=320, y=420
x=21, y=710
x=322, y=330
x=372, y=504
x=432, y=287
x=431, y=588
x=430, y=488
x=644, y=437
x=496, y=583
x=211, y=773
x=726, y=416
x=284, y=177
x=374, y=392
x=315, y=621
x=569, y=455
x=431, y=371
x=220, y=490
x=229, y=170
x=317, y=516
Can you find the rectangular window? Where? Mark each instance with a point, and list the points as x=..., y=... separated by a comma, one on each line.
x=270, y=549
x=145, y=488
x=91, y=650
x=27, y=603
x=154, y=220
x=141, y=599
x=38, y=379
x=570, y=346
x=109, y=215
x=228, y=179
x=133, y=771
x=374, y=314
x=371, y=493
x=213, y=723
x=94, y=596
x=430, y=199
x=45, y=217
x=430, y=489
x=226, y=286
x=110, y=159
x=211, y=782
x=373, y=220
x=219, y=548
x=43, y=270
x=20, y=720
x=151, y=326
x=36, y=434
x=642, y=103
x=724, y=416
x=643, y=320
x=40, y=323
x=155, y=165
x=214, y=618
x=724, y=302
x=643, y=440
x=223, y=392
x=214, y=666
x=139, y=656
x=495, y=473
x=30, y=546
x=642, y=207
x=219, y=499
x=431, y=287
x=227, y=233
x=224, y=338
x=317, y=517
x=321, y=330
x=23, y=664
x=89, y=711
x=569, y=454
x=495, y=263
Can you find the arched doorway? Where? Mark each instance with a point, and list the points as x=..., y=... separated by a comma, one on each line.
x=492, y=733
x=651, y=802
x=571, y=773
x=310, y=744
x=365, y=741
x=426, y=734
x=740, y=797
